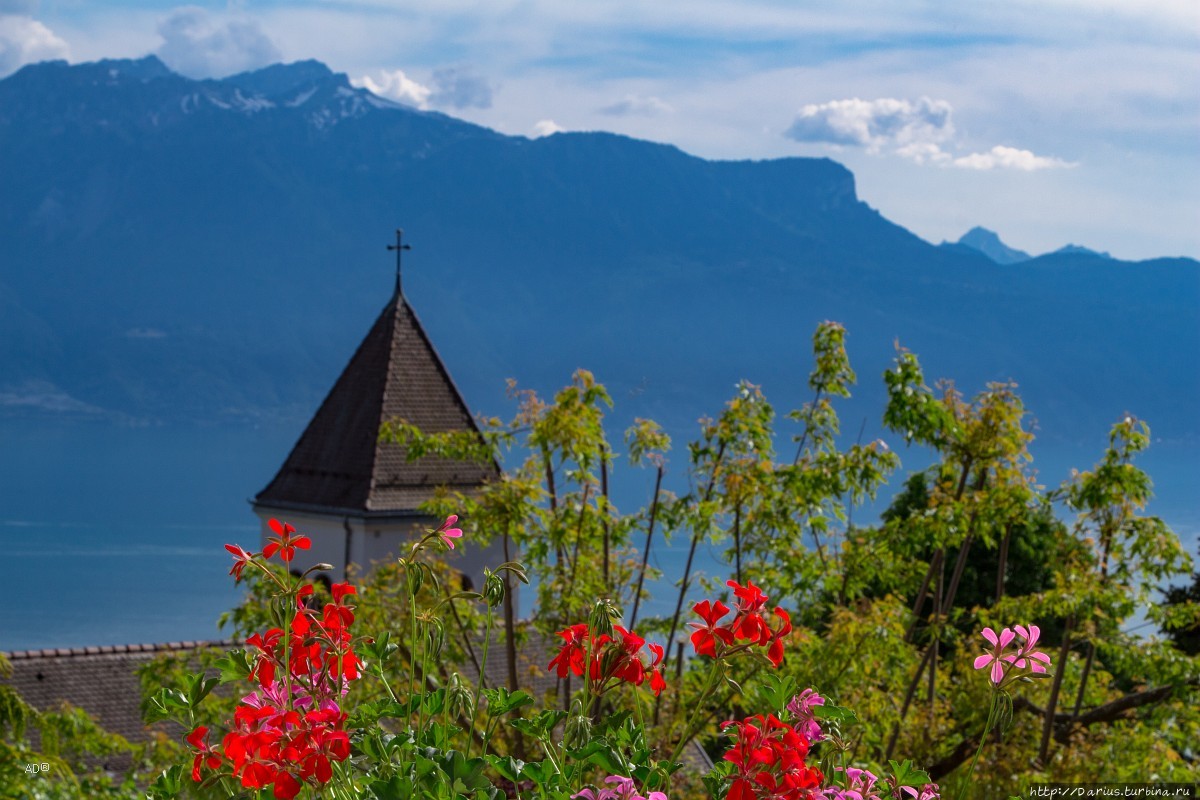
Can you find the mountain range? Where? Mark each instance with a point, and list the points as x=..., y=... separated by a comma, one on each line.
x=212, y=250
x=988, y=242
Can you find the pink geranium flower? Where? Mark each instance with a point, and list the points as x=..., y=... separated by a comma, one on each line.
x=1026, y=656
x=448, y=533
x=801, y=707
x=996, y=659
x=624, y=789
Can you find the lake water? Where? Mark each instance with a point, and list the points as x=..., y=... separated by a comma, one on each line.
x=114, y=535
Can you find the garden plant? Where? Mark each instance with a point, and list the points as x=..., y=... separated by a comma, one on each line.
x=983, y=635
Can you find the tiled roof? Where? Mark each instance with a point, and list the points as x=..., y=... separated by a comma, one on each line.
x=339, y=463
x=102, y=681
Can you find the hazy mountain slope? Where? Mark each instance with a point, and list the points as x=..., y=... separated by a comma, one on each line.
x=178, y=248
x=988, y=243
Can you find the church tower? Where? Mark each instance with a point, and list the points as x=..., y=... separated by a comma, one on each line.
x=356, y=497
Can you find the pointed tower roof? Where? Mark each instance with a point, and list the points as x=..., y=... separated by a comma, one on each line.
x=339, y=465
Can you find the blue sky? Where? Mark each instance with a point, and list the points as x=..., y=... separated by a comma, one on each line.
x=1049, y=121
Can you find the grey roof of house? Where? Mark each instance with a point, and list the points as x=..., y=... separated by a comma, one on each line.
x=103, y=681
x=339, y=462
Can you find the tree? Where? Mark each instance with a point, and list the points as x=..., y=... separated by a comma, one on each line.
x=882, y=615
x=1185, y=636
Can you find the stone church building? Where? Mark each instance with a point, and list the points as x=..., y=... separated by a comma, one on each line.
x=358, y=498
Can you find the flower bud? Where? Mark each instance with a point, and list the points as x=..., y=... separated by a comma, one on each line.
x=577, y=730
x=493, y=588
x=416, y=578
x=435, y=635
x=459, y=699
x=603, y=615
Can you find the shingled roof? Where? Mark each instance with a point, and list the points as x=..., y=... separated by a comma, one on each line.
x=101, y=680
x=340, y=464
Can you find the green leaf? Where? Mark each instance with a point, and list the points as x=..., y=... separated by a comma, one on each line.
x=433, y=702
x=501, y=701
x=398, y=787
x=463, y=773
x=540, y=726
x=717, y=777
x=507, y=766
x=369, y=713
x=379, y=650
x=168, y=785
x=775, y=690
x=165, y=704
x=842, y=716
x=234, y=666
x=601, y=753
x=907, y=775
x=540, y=772
x=199, y=687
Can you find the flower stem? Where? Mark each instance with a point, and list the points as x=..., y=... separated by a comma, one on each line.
x=487, y=638
x=991, y=720
x=708, y=688
x=288, y=602
x=424, y=683
x=384, y=680
x=412, y=648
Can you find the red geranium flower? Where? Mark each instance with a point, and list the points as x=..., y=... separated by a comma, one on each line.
x=283, y=542
x=240, y=559
x=607, y=660
x=775, y=648
x=747, y=628
x=570, y=657
x=205, y=756
x=286, y=734
x=286, y=786
x=750, y=596
x=706, y=635
x=769, y=756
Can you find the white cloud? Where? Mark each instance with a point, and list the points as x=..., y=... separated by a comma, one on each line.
x=917, y=131
x=875, y=124
x=1001, y=157
x=203, y=45
x=24, y=40
x=45, y=396
x=634, y=104
x=923, y=153
x=395, y=85
x=460, y=87
x=545, y=127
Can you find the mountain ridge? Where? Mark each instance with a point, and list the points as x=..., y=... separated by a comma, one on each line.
x=988, y=243
x=205, y=223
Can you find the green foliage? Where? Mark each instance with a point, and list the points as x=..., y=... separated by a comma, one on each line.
x=68, y=761
x=885, y=614
x=1181, y=615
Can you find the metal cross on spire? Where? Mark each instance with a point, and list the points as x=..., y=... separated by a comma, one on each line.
x=399, y=247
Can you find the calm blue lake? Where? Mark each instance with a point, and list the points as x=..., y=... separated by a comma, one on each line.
x=115, y=535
